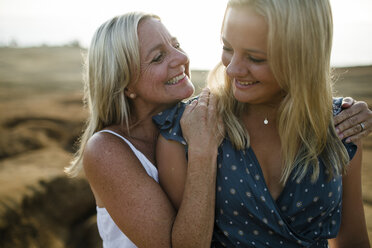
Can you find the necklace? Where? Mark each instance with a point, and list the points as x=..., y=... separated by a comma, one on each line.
x=266, y=121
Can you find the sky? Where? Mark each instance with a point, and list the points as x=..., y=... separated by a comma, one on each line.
x=196, y=24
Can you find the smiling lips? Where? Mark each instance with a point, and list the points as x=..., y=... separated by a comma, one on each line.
x=176, y=79
x=246, y=83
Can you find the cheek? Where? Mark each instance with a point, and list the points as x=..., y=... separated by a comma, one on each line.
x=155, y=75
x=262, y=73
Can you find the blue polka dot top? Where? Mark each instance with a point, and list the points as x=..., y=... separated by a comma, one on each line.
x=304, y=215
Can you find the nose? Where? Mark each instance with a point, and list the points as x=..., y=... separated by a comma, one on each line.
x=236, y=67
x=179, y=57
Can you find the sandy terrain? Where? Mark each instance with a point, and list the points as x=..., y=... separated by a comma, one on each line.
x=41, y=116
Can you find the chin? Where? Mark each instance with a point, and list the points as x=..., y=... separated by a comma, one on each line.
x=187, y=94
x=192, y=90
x=181, y=95
x=241, y=97
x=188, y=90
x=185, y=88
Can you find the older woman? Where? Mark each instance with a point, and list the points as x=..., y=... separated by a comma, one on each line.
x=136, y=69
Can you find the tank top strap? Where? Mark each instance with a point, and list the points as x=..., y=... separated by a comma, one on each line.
x=118, y=135
x=146, y=163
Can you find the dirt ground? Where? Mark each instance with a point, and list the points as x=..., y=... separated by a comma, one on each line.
x=41, y=116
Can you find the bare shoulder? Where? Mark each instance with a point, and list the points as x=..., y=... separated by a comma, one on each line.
x=134, y=200
x=108, y=158
x=102, y=150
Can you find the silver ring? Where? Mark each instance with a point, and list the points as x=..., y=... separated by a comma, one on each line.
x=362, y=126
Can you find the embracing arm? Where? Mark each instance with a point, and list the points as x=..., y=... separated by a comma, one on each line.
x=172, y=169
x=191, y=188
x=190, y=183
x=353, y=231
x=355, y=121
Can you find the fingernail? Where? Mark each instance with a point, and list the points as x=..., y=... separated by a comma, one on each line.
x=337, y=130
x=348, y=140
x=341, y=135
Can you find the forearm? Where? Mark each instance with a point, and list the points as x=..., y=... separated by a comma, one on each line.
x=194, y=223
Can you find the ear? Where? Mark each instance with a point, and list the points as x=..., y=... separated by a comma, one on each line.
x=129, y=93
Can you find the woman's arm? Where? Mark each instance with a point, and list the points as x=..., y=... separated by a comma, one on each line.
x=135, y=201
x=172, y=168
x=350, y=121
x=353, y=230
x=190, y=184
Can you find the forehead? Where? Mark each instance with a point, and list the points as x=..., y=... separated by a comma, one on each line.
x=152, y=32
x=243, y=25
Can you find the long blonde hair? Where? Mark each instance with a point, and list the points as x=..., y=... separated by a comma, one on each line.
x=112, y=63
x=299, y=49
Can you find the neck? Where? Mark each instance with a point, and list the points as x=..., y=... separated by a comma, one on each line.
x=142, y=128
x=142, y=110
x=261, y=114
x=141, y=124
x=141, y=113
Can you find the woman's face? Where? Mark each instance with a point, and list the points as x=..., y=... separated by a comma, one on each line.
x=244, y=37
x=164, y=73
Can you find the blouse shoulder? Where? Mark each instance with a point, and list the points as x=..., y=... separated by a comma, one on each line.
x=351, y=148
x=168, y=122
x=337, y=105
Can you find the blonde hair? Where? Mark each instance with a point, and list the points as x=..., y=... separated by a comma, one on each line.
x=112, y=63
x=299, y=49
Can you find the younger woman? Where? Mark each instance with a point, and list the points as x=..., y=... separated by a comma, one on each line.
x=284, y=179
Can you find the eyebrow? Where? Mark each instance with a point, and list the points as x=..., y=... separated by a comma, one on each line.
x=247, y=49
x=158, y=46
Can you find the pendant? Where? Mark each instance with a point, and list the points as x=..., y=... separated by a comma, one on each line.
x=266, y=121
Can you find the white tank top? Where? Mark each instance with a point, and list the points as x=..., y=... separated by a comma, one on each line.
x=110, y=233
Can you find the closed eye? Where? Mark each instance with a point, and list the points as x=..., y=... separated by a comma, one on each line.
x=158, y=58
x=227, y=49
x=255, y=60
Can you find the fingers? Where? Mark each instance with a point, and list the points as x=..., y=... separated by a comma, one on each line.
x=355, y=122
x=197, y=109
x=352, y=131
x=364, y=128
x=357, y=136
x=189, y=108
x=212, y=105
x=210, y=101
x=204, y=97
x=345, y=114
x=215, y=120
x=343, y=119
x=347, y=102
x=200, y=124
x=349, y=126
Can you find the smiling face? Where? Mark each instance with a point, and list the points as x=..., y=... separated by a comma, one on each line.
x=244, y=36
x=164, y=74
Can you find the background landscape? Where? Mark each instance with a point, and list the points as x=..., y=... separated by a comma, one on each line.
x=41, y=116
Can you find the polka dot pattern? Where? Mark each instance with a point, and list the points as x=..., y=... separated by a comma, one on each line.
x=304, y=215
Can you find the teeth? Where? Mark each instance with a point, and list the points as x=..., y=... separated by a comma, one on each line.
x=175, y=79
x=246, y=83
